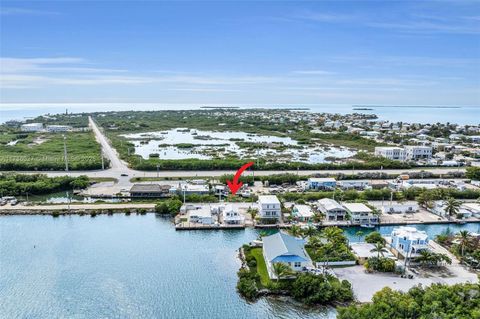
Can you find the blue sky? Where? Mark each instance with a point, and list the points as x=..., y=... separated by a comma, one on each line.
x=250, y=52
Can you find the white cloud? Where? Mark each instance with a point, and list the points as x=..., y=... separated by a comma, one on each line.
x=12, y=11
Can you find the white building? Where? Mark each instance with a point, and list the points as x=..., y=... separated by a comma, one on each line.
x=201, y=215
x=332, y=210
x=393, y=153
x=399, y=208
x=58, y=128
x=269, y=207
x=231, y=215
x=302, y=213
x=32, y=127
x=414, y=152
x=361, y=214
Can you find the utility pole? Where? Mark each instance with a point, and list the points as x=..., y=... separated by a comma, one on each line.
x=158, y=173
x=65, y=152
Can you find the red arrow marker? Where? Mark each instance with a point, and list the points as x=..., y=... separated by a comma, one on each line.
x=235, y=185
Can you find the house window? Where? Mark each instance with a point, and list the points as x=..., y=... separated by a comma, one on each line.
x=297, y=264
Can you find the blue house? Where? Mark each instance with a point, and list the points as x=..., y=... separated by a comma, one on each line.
x=321, y=183
x=408, y=241
x=283, y=248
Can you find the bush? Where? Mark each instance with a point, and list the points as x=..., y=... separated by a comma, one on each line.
x=168, y=207
x=246, y=285
x=321, y=289
x=381, y=264
x=374, y=237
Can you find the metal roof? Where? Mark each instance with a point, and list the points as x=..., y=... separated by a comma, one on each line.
x=280, y=245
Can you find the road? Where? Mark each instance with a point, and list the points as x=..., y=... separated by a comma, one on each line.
x=118, y=167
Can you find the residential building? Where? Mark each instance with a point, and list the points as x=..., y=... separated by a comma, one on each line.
x=269, y=207
x=363, y=251
x=283, y=248
x=393, y=153
x=31, y=127
x=303, y=213
x=231, y=216
x=408, y=241
x=149, y=190
x=321, y=183
x=361, y=214
x=201, y=215
x=332, y=210
x=188, y=189
x=58, y=128
x=399, y=208
x=414, y=152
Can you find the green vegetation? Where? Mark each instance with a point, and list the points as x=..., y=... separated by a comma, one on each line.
x=44, y=151
x=431, y=259
x=380, y=264
x=330, y=244
x=168, y=207
x=246, y=285
x=20, y=184
x=261, y=267
x=374, y=237
x=473, y=173
x=463, y=245
x=460, y=301
x=348, y=140
x=321, y=289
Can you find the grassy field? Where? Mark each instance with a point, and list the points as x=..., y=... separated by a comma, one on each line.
x=261, y=266
x=45, y=151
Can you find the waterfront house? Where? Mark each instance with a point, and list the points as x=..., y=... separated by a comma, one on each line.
x=332, y=210
x=321, y=183
x=302, y=213
x=149, y=191
x=231, y=216
x=399, y=208
x=283, y=248
x=407, y=241
x=201, y=215
x=361, y=214
x=269, y=207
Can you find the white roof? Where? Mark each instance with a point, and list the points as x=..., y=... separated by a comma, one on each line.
x=364, y=250
x=204, y=211
x=357, y=208
x=330, y=204
x=268, y=199
x=321, y=179
x=411, y=233
x=304, y=210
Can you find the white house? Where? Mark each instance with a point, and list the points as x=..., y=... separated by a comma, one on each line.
x=399, y=208
x=321, y=183
x=393, y=153
x=283, y=248
x=414, y=152
x=201, y=215
x=269, y=207
x=231, y=215
x=361, y=214
x=302, y=213
x=332, y=209
x=31, y=127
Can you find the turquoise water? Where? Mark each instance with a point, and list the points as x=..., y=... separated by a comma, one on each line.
x=125, y=267
x=460, y=115
x=131, y=267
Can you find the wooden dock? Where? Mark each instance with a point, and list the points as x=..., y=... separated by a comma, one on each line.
x=196, y=226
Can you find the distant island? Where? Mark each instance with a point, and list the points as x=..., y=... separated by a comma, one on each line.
x=408, y=106
x=362, y=109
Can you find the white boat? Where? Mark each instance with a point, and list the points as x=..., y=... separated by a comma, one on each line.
x=367, y=226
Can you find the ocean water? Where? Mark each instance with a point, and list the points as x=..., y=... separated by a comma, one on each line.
x=413, y=114
x=132, y=267
x=125, y=267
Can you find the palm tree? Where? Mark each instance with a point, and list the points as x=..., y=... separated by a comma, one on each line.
x=452, y=206
x=309, y=231
x=281, y=270
x=464, y=237
x=359, y=234
x=379, y=249
x=295, y=230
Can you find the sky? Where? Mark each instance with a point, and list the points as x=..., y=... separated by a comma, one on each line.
x=241, y=52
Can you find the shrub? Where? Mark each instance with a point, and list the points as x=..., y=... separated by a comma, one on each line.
x=374, y=237
x=381, y=264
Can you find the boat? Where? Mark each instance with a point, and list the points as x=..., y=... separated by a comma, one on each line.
x=367, y=226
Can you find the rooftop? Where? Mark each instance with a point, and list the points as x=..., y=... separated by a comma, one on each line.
x=281, y=244
x=357, y=208
x=268, y=199
x=411, y=233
